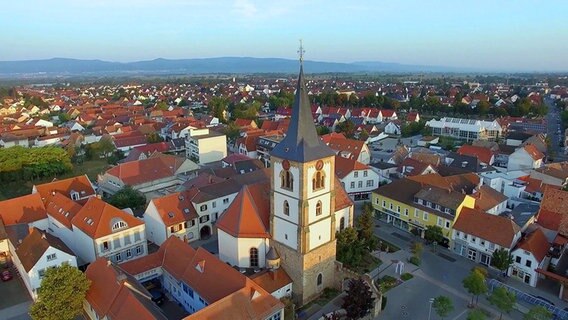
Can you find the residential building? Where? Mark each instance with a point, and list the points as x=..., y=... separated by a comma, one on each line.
x=78, y=189
x=465, y=129
x=525, y=158
x=476, y=235
x=265, y=144
x=358, y=179
x=28, y=210
x=485, y=155
x=530, y=255
x=490, y=200
x=204, y=146
x=555, y=173
x=348, y=148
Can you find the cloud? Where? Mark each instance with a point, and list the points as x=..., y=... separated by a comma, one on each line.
x=245, y=8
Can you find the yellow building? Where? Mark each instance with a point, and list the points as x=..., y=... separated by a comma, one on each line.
x=412, y=206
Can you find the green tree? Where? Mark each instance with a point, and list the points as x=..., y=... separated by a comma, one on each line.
x=503, y=300
x=475, y=284
x=347, y=127
x=321, y=130
x=476, y=315
x=538, y=313
x=153, y=137
x=232, y=132
x=218, y=106
x=367, y=226
x=350, y=249
x=443, y=306
x=128, y=198
x=417, y=249
x=63, y=117
x=483, y=107
x=162, y=105
x=61, y=295
x=502, y=259
x=359, y=300
x=434, y=233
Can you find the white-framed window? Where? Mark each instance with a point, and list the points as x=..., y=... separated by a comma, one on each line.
x=51, y=257
x=203, y=207
x=214, y=204
x=416, y=213
x=384, y=204
x=128, y=253
x=406, y=212
x=356, y=174
x=365, y=173
x=440, y=222
x=118, y=257
x=352, y=184
x=447, y=224
x=370, y=183
x=398, y=209
x=491, y=246
x=139, y=250
x=458, y=234
x=360, y=184
x=226, y=200
x=425, y=216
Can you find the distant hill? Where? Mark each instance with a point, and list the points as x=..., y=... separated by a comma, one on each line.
x=231, y=65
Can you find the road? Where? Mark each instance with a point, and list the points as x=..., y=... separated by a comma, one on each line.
x=555, y=130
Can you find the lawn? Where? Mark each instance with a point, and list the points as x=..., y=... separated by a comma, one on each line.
x=19, y=188
x=385, y=244
x=327, y=295
x=368, y=263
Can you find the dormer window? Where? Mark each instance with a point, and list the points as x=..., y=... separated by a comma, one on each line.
x=74, y=195
x=287, y=180
x=318, y=181
x=118, y=225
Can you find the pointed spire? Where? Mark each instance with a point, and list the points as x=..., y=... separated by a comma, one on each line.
x=302, y=142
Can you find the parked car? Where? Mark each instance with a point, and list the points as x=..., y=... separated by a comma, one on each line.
x=545, y=300
x=157, y=296
x=6, y=275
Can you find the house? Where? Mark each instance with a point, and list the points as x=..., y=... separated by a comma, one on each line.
x=413, y=117
x=203, y=285
x=485, y=155
x=553, y=213
x=101, y=230
x=530, y=255
x=128, y=141
x=144, y=152
x=28, y=210
x=465, y=129
x=205, y=146
x=37, y=252
x=8, y=140
x=476, y=235
x=245, y=124
x=490, y=200
x=555, y=173
x=115, y=294
x=392, y=128
x=525, y=158
x=78, y=189
x=357, y=179
x=348, y=148
x=148, y=176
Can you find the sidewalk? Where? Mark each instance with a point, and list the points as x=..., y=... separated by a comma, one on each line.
x=19, y=311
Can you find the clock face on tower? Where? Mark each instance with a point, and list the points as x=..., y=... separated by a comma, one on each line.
x=286, y=165
x=319, y=165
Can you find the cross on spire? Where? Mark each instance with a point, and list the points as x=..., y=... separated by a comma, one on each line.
x=301, y=52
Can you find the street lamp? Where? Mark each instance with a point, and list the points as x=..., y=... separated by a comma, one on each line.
x=430, y=310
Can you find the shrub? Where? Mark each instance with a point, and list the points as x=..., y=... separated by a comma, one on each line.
x=384, y=303
x=414, y=260
x=406, y=276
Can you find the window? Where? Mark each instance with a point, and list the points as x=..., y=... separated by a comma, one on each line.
x=352, y=184
x=226, y=200
x=369, y=183
x=41, y=273
x=447, y=224
x=139, y=250
x=517, y=259
x=253, y=255
x=355, y=174
x=119, y=225
x=473, y=239
x=128, y=254
x=204, y=218
x=318, y=180
x=105, y=245
x=118, y=257
x=365, y=173
x=318, y=208
x=191, y=223
x=320, y=279
x=384, y=204
x=341, y=223
x=390, y=205
x=286, y=208
x=425, y=217
x=203, y=207
x=287, y=180
x=214, y=204
x=75, y=196
x=127, y=239
x=136, y=236
x=286, y=236
x=406, y=212
x=116, y=242
x=440, y=222
x=491, y=246
x=458, y=234
x=51, y=257
x=416, y=213
x=360, y=184
x=528, y=263
x=398, y=209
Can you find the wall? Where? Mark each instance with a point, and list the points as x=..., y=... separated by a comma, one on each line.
x=212, y=149
x=245, y=244
x=83, y=247
x=42, y=264
x=155, y=228
x=228, y=248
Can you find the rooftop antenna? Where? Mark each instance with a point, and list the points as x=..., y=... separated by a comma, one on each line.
x=301, y=52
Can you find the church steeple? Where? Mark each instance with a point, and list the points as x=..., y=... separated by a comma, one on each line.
x=302, y=142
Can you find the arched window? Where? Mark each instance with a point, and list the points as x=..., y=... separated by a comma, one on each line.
x=286, y=208
x=118, y=224
x=286, y=180
x=318, y=181
x=253, y=254
x=318, y=208
x=341, y=223
x=320, y=279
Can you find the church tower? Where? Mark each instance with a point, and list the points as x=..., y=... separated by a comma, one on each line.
x=302, y=219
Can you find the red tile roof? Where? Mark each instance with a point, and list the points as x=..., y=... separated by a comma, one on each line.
x=97, y=217
x=553, y=213
x=533, y=152
x=344, y=166
x=80, y=184
x=487, y=198
x=272, y=280
x=24, y=209
x=535, y=243
x=342, y=199
x=483, y=154
x=176, y=207
x=141, y=171
x=62, y=209
x=248, y=214
x=493, y=228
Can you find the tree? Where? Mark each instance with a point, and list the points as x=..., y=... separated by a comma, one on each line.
x=476, y=315
x=483, y=107
x=434, y=233
x=350, y=249
x=503, y=300
x=162, y=105
x=347, y=127
x=359, y=300
x=417, y=249
x=128, y=198
x=443, y=306
x=367, y=226
x=154, y=137
x=475, y=284
x=538, y=313
x=61, y=295
x=501, y=259
x=321, y=130
x=63, y=117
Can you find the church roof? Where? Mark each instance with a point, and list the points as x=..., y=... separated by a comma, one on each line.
x=301, y=143
x=247, y=216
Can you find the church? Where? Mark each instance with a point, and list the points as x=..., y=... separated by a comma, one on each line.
x=289, y=222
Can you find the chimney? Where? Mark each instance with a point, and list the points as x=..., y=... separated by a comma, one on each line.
x=43, y=236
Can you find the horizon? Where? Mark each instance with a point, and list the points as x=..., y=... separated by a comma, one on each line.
x=512, y=35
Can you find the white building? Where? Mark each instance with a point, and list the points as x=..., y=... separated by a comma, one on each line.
x=205, y=146
x=37, y=252
x=358, y=179
x=465, y=129
x=525, y=158
x=530, y=255
x=476, y=235
x=101, y=230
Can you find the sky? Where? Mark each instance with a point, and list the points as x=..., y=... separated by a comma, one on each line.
x=484, y=34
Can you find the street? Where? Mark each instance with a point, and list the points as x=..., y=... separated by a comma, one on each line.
x=555, y=131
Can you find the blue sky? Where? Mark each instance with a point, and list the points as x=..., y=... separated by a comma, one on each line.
x=488, y=34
